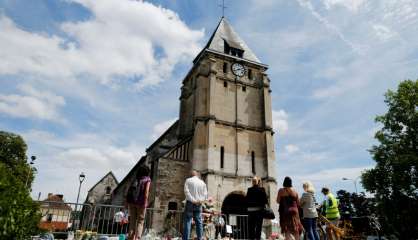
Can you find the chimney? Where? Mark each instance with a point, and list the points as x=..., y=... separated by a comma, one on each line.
x=60, y=196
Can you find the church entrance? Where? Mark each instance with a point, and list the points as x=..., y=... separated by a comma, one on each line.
x=234, y=203
x=234, y=209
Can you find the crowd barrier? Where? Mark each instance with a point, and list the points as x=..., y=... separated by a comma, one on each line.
x=65, y=219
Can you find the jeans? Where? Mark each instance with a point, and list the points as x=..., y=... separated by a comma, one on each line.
x=192, y=211
x=310, y=228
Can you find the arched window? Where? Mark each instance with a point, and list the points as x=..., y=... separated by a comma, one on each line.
x=108, y=190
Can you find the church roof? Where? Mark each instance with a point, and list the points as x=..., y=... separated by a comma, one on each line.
x=225, y=33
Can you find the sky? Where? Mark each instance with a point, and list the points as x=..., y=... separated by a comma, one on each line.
x=89, y=84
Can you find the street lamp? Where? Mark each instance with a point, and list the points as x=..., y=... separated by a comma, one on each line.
x=32, y=161
x=354, y=181
x=81, y=178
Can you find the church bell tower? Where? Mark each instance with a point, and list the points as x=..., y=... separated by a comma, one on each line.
x=226, y=111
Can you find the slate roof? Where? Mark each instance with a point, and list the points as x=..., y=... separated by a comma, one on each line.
x=225, y=33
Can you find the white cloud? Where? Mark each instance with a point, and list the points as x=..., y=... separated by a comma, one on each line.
x=161, y=127
x=102, y=144
x=383, y=32
x=108, y=158
x=329, y=25
x=280, y=123
x=32, y=104
x=352, y=5
x=61, y=158
x=336, y=174
x=290, y=148
x=122, y=39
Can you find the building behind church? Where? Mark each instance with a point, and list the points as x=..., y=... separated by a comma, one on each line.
x=224, y=129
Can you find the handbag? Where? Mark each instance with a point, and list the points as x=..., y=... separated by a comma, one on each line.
x=267, y=213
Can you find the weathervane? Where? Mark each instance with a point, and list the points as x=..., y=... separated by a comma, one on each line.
x=223, y=8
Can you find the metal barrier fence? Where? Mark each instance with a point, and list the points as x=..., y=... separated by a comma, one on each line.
x=239, y=226
x=61, y=218
x=105, y=219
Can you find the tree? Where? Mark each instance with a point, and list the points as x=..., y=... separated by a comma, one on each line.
x=394, y=179
x=357, y=208
x=13, y=156
x=19, y=214
x=355, y=205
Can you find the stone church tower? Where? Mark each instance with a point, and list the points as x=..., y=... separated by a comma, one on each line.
x=226, y=107
x=224, y=128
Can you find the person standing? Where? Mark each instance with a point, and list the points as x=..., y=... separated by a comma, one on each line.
x=288, y=201
x=256, y=199
x=307, y=203
x=332, y=213
x=137, y=202
x=196, y=193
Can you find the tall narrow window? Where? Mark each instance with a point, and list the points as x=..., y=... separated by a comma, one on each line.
x=244, y=88
x=225, y=84
x=222, y=156
x=250, y=74
x=225, y=67
x=184, y=152
x=252, y=162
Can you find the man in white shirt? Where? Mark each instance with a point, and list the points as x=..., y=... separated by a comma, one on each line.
x=196, y=193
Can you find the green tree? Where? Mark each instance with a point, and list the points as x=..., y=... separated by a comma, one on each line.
x=19, y=214
x=355, y=205
x=394, y=179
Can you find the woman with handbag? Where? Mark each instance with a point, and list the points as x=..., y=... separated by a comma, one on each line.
x=256, y=201
x=288, y=201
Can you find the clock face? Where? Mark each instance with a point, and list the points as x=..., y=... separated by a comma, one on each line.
x=238, y=69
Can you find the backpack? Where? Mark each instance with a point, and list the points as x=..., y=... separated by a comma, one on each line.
x=133, y=191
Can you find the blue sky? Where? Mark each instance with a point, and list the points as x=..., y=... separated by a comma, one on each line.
x=90, y=84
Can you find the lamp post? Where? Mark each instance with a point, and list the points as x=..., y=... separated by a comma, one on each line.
x=32, y=161
x=81, y=178
x=354, y=181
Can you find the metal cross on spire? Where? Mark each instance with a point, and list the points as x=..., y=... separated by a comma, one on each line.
x=223, y=8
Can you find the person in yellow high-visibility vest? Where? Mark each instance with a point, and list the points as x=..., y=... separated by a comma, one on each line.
x=330, y=207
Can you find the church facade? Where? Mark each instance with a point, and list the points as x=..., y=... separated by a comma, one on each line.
x=224, y=129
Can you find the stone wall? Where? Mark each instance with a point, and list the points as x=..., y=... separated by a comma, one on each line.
x=170, y=182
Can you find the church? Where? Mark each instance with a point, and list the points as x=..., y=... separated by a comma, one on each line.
x=224, y=129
